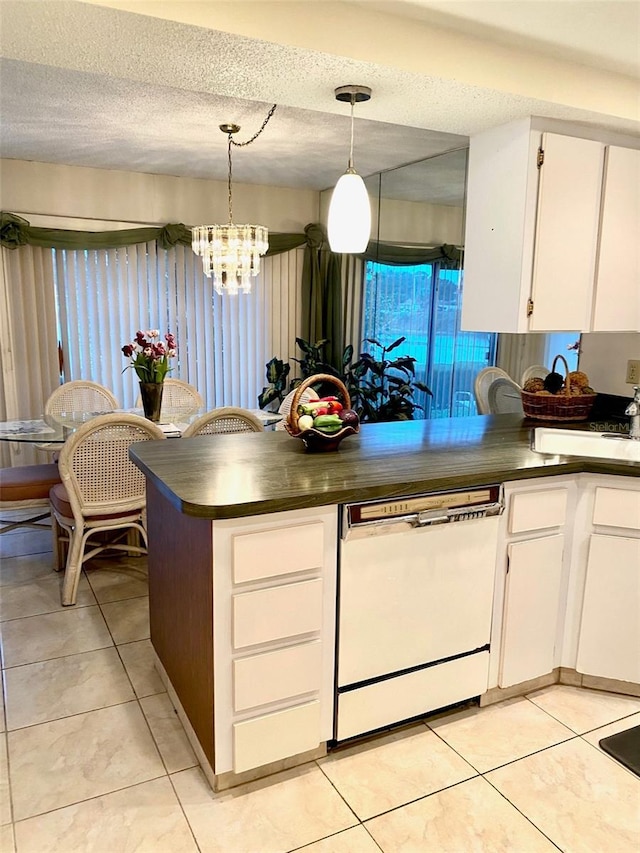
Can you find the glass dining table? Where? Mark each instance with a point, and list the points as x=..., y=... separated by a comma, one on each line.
x=56, y=429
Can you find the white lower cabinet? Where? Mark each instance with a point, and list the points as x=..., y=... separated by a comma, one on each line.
x=609, y=642
x=532, y=600
x=274, y=636
x=568, y=580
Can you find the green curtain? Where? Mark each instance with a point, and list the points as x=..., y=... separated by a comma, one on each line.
x=389, y=253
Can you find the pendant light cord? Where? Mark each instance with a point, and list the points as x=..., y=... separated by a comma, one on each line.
x=350, y=169
x=248, y=142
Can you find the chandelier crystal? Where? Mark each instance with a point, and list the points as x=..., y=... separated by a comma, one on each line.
x=231, y=253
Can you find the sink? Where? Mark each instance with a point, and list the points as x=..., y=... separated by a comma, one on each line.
x=569, y=442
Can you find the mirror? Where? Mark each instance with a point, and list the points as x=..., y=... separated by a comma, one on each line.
x=421, y=203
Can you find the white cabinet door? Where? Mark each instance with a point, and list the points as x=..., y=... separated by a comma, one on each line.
x=617, y=296
x=531, y=609
x=566, y=233
x=609, y=643
x=553, y=235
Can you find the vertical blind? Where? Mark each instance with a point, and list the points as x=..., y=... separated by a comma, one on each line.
x=224, y=342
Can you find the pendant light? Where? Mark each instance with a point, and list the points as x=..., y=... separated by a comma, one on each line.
x=231, y=253
x=349, y=222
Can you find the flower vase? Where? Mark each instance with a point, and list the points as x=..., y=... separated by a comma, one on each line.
x=151, y=394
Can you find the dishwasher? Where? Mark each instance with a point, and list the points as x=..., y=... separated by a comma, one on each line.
x=415, y=598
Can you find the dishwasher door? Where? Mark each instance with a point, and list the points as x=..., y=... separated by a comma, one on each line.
x=412, y=598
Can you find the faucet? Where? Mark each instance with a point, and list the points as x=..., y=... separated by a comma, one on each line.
x=633, y=410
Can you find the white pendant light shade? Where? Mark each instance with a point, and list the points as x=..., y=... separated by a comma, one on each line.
x=349, y=223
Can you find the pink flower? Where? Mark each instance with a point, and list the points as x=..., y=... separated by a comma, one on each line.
x=149, y=358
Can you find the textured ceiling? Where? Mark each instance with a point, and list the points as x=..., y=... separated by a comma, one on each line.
x=89, y=85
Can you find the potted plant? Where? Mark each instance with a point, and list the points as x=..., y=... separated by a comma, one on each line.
x=150, y=360
x=381, y=388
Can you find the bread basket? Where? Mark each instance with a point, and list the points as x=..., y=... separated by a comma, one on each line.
x=563, y=406
x=313, y=439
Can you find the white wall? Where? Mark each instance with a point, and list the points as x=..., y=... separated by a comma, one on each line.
x=30, y=188
x=603, y=357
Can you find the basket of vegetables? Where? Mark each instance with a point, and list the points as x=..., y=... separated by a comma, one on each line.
x=557, y=397
x=322, y=423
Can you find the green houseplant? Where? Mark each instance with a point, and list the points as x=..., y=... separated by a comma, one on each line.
x=381, y=388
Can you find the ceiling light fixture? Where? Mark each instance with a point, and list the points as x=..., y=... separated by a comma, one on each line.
x=349, y=222
x=231, y=253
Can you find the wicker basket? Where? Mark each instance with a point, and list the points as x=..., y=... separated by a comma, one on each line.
x=558, y=407
x=313, y=439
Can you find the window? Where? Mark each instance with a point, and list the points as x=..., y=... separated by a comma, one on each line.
x=104, y=296
x=423, y=303
x=565, y=344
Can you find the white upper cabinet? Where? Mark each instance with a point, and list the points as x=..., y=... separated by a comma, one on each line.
x=617, y=296
x=552, y=228
x=566, y=234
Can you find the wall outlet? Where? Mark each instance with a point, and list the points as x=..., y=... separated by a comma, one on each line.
x=633, y=371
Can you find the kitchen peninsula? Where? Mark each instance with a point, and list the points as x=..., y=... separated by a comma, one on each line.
x=244, y=553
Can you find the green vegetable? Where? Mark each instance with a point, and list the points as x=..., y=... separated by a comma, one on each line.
x=328, y=423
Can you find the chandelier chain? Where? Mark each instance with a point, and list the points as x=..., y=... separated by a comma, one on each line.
x=255, y=135
x=242, y=145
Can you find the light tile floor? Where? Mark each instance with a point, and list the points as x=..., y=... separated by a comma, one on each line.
x=93, y=757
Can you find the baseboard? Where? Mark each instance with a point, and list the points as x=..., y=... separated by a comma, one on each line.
x=560, y=675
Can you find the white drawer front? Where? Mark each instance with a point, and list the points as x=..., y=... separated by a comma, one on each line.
x=617, y=508
x=272, y=676
x=537, y=510
x=276, y=613
x=277, y=552
x=406, y=696
x=274, y=736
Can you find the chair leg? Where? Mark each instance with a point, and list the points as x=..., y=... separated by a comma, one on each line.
x=133, y=538
x=59, y=544
x=73, y=568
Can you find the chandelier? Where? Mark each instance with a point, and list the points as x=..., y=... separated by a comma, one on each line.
x=349, y=220
x=231, y=253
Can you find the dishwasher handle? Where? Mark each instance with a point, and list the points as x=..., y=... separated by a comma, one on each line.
x=419, y=520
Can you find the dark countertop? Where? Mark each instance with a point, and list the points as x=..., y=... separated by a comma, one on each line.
x=230, y=476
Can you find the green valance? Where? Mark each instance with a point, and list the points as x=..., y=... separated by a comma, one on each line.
x=16, y=231
x=389, y=253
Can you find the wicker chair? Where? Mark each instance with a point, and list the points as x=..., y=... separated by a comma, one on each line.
x=177, y=397
x=228, y=419
x=101, y=490
x=80, y=396
x=481, y=386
